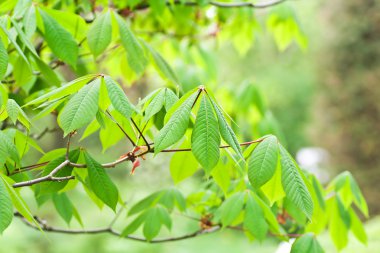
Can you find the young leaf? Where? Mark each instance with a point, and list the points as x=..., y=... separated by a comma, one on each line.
x=170, y=99
x=155, y=104
x=226, y=132
x=6, y=207
x=134, y=225
x=64, y=90
x=101, y=183
x=176, y=127
x=12, y=110
x=8, y=149
x=254, y=220
x=100, y=33
x=3, y=60
x=135, y=52
x=81, y=108
x=231, y=208
x=357, y=227
x=273, y=189
x=152, y=224
x=145, y=203
x=263, y=162
x=118, y=98
x=306, y=244
x=64, y=206
x=294, y=186
x=182, y=166
x=162, y=66
x=205, y=138
x=59, y=40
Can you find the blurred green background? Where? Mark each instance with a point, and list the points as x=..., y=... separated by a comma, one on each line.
x=325, y=96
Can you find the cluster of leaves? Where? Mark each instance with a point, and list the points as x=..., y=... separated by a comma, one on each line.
x=254, y=186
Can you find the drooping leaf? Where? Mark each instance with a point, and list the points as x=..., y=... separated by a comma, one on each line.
x=8, y=149
x=254, y=220
x=6, y=207
x=12, y=110
x=273, y=189
x=170, y=99
x=306, y=244
x=100, y=33
x=118, y=98
x=59, y=40
x=226, y=131
x=231, y=208
x=294, y=186
x=357, y=227
x=176, y=127
x=63, y=206
x=155, y=104
x=182, y=166
x=64, y=90
x=101, y=183
x=81, y=108
x=3, y=60
x=152, y=224
x=263, y=162
x=205, y=138
x=135, y=52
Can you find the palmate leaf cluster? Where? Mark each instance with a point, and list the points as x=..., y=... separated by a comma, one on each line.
x=254, y=186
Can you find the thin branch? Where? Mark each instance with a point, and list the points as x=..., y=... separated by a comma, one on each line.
x=28, y=168
x=121, y=128
x=224, y=146
x=262, y=5
x=109, y=230
x=49, y=177
x=140, y=134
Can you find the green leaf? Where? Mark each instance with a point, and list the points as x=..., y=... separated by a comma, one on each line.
x=306, y=244
x=152, y=224
x=6, y=207
x=205, y=138
x=357, y=227
x=64, y=206
x=118, y=98
x=155, y=104
x=231, y=208
x=226, y=131
x=12, y=110
x=164, y=217
x=182, y=166
x=81, y=108
x=254, y=220
x=263, y=162
x=294, y=186
x=135, y=52
x=170, y=99
x=100, y=33
x=337, y=228
x=101, y=183
x=64, y=90
x=18, y=201
x=3, y=60
x=162, y=66
x=8, y=149
x=145, y=203
x=273, y=189
x=176, y=127
x=134, y=225
x=60, y=41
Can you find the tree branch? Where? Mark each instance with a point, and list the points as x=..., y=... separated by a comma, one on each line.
x=261, y=5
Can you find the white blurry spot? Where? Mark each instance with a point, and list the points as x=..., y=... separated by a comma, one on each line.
x=211, y=12
x=285, y=247
x=313, y=159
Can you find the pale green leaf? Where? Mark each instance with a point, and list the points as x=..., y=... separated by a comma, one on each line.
x=226, y=131
x=263, y=162
x=357, y=227
x=231, y=208
x=100, y=33
x=6, y=207
x=3, y=60
x=8, y=149
x=254, y=220
x=205, y=138
x=170, y=99
x=101, y=183
x=81, y=108
x=12, y=110
x=182, y=166
x=155, y=104
x=118, y=98
x=176, y=127
x=152, y=224
x=60, y=41
x=294, y=186
x=135, y=52
x=306, y=244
